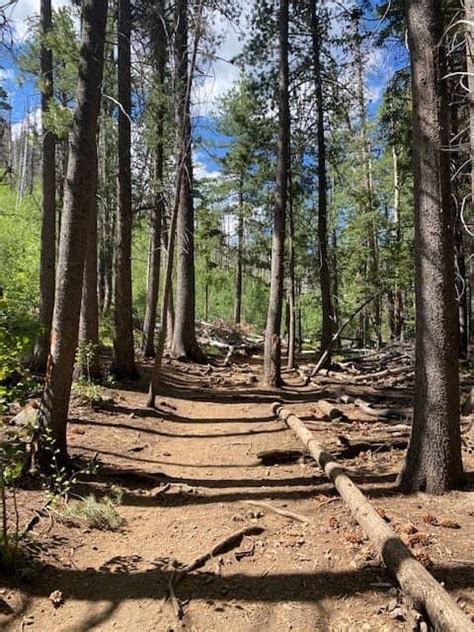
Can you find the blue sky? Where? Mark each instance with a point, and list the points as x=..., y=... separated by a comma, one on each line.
x=219, y=76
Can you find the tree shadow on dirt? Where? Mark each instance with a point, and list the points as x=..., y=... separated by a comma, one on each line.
x=120, y=580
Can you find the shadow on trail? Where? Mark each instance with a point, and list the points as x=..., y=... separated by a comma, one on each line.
x=119, y=580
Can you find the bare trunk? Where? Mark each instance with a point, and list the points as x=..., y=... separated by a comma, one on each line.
x=469, y=5
x=372, y=266
x=291, y=281
x=89, y=321
x=272, y=352
x=324, y=275
x=185, y=345
x=433, y=462
x=239, y=272
x=157, y=213
x=170, y=302
x=78, y=200
x=48, y=222
x=124, y=357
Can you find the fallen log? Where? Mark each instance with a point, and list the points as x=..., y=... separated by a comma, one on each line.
x=330, y=411
x=416, y=582
x=385, y=373
x=367, y=408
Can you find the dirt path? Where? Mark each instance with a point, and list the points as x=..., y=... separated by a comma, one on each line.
x=201, y=456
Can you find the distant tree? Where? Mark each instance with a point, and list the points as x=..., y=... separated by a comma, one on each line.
x=48, y=181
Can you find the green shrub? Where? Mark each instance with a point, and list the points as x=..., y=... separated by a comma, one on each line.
x=17, y=334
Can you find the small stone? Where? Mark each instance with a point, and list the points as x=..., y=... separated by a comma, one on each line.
x=56, y=598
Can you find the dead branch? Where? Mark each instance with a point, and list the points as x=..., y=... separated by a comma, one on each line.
x=280, y=512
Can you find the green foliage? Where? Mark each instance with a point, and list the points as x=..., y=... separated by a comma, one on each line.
x=17, y=332
x=19, y=247
x=98, y=514
x=87, y=393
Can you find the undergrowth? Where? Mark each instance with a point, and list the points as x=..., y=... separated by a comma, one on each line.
x=97, y=513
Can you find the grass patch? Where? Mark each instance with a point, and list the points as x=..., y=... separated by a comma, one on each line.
x=97, y=514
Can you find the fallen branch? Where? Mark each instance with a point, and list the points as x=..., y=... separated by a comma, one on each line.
x=225, y=545
x=280, y=512
x=338, y=333
x=418, y=584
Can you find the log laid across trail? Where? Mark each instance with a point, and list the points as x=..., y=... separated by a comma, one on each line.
x=421, y=588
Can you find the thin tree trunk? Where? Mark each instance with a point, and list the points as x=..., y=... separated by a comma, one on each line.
x=185, y=345
x=89, y=366
x=272, y=351
x=291, y=362
x=170, y=302
x=124, y=357
x=78, y=200
x=372, y=266
x=157, y=213
x=324, y=274
x=240, y=249
x=48, y=177
x=433, y=462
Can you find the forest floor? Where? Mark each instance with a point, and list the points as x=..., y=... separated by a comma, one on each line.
x=188, y=470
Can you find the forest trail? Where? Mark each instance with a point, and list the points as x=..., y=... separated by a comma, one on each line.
x=197, y=458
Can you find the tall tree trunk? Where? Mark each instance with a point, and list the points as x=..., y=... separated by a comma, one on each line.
x=372, y=267
x=272, y=351
x=78, y=200
x=157, y=212
x=124, y=357
x=185, y=345
x=291, y=362
x=398, y=313
x=433, y=462
x=324, y=275
x=469, y=5
x=89, y=366
x=48, y=177
x=240, y=250
x=170, y=303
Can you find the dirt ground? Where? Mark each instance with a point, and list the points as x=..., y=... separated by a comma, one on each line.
x=198, y=467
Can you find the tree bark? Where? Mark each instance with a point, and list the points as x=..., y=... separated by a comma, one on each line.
x=272, y=351
x=240, y=250
x=433, y=462
x=89, y=366
x=48, y=181
x=78, y=200
x=124, y=357
x=185, y=346
x=291, y=363
x=157, y=212
x=371, y=268
x=469, y=6
x=324, y=274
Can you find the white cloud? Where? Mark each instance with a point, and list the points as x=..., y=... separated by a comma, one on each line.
x=202, y=171
x=23, y=12
x=220, y=75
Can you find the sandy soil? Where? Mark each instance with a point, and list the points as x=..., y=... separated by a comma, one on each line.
x=199, y=452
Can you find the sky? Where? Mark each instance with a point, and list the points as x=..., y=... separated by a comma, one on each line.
x=219, y=76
